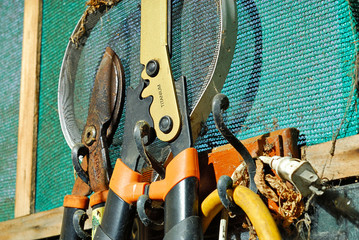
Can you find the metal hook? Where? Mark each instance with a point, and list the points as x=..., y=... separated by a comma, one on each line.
x=225, y=183
x=141, y=206
x=142, y=201
x=79, y=219
x=78, y=151
x=220, y=103
x=142, y=132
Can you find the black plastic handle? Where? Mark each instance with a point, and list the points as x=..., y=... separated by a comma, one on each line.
x=117, y=219
x=67, y=229
x=181, y=211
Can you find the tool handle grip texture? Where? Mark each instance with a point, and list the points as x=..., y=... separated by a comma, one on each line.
x=67, y=228
x=72, y=204
x=181, y=211
x=117, y=219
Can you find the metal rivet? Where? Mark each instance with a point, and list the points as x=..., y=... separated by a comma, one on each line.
x=90, y=135
x=166, y=124
x=152, y=68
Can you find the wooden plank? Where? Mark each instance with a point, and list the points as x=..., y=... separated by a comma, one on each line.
x=344, y=163
x=35, y=226
x=28, y=110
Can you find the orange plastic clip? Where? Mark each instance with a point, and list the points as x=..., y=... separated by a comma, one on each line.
x=74, y=201
x=98, y=197
x=126, y=183
x=184, y=165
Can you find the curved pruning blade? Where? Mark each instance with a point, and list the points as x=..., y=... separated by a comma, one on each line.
x=65, y=101
x=222, y=63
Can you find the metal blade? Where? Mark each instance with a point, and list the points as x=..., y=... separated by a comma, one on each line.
x=65, y=101
x=222, y=63
x=136, y=109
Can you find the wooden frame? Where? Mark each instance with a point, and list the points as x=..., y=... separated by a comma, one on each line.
x=344, y=163
x=28, y=113
x=34, y=226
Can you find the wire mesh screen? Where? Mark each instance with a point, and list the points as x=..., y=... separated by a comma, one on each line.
x=293, y=67
x=54, y=176
x=11, y=23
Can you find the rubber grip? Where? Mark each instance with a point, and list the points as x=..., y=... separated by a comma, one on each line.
x=188, y=229
x=67, y=227
x=181, y=211
x=117, y=219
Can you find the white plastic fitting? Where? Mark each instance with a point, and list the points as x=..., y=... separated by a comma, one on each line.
x=299, y=172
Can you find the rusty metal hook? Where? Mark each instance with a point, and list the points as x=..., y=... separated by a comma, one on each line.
x=220, y=103
x=80, y=151
x=141, y=134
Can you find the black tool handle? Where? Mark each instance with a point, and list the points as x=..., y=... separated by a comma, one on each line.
x=117, y=219
x=181, y=211
x=67, y=229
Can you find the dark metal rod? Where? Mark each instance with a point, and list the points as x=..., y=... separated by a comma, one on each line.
x=219, y=104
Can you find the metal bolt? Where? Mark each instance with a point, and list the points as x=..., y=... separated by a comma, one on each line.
x=90, y=135
x=152, y=68
x=166, y=124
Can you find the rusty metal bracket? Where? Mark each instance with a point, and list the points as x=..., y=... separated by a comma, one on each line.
x=278, y=143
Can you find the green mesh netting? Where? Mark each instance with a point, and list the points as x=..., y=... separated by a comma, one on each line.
x=11, y=22
x=293, y=67
x=54, y=176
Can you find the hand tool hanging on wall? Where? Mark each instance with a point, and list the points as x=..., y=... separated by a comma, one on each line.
x=90, y=156
x=158, y=106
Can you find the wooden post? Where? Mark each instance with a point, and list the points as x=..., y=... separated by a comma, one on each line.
x=28, y=113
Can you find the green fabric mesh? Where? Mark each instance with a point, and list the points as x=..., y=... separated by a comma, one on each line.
x=54, y=178
x=11, y=22
x=301, y=77
x=293, y=67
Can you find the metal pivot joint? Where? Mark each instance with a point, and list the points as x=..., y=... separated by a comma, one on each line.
x=90, y=135
x=152, y=68
x=166, y=124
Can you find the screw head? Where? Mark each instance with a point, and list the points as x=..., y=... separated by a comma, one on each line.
x=90, y=135
x=166, y=124
x=152, y=68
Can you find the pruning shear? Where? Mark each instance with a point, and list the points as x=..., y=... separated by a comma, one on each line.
x=158, y=107
x=156, y=111
x=94, y=170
